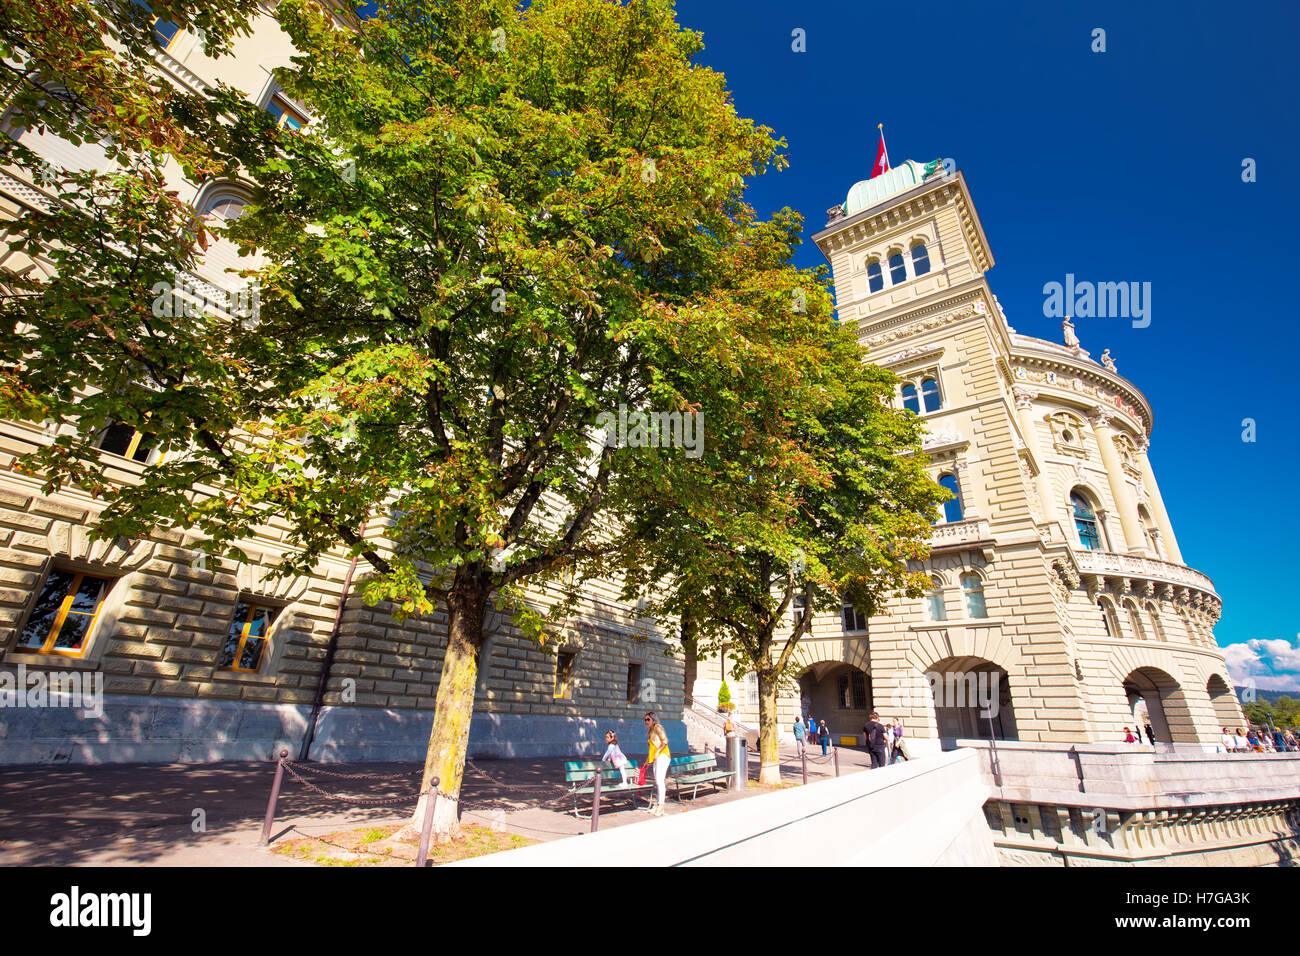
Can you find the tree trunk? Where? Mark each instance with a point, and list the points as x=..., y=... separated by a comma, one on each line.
x=453, y=709
x=690, y=653
x=769, y=770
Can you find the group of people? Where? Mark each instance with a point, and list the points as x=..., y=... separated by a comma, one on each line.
x=884, y=743
x=1258, y=740
x=1241, y=741
x=806, y=729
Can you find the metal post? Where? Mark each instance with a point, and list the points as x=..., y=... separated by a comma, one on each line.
x=595, y=804
x=427, y=829
x=836, y=751
x=739, y=762
x=275, y=798
x=803, y=759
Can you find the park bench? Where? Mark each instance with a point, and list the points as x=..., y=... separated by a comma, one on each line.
x=581, y=777
x=696, y=770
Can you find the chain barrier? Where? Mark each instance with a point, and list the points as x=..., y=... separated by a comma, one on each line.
x=316, y=768
x=291, y=769
x=552, y=788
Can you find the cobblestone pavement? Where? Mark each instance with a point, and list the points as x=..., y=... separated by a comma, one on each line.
x=150, y=814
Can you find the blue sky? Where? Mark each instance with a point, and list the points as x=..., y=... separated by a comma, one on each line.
x=1117, y=166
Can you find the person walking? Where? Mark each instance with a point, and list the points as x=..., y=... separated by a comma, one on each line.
x=800, y=736
x=875, y=733
x=825, y=735
x=658, y=758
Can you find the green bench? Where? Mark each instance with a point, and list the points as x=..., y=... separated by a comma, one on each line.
x=581, y=777
x=696, y=770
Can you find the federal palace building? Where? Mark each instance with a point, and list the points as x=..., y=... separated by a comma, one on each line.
x=1056, y=569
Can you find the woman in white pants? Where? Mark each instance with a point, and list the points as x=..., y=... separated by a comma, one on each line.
x=658, y=757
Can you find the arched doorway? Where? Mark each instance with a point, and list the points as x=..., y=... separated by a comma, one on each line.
x=972, y=700
x=1227, y=712
x=837, y=693
x=1167, y=713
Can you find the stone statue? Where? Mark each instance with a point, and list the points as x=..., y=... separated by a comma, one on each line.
x=1071, y=340
x=1107, y=361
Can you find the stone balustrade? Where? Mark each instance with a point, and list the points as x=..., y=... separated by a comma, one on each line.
x=1132, y=776
x=960, y=532
x=1104, y=563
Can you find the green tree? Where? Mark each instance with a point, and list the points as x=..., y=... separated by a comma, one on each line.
x=469, y=248
x=813, y=487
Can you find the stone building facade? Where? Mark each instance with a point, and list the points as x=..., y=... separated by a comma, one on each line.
x=204, y=662
x=1062, y=610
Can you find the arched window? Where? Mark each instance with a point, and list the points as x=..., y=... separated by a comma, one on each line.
x=930, y=394
x=1109, y=619
x=951, y=509
x=1157, y=626
x=910, y=401
x=920, y=259
x=972, y=589
x=223, y=200
x=1085, y=522
x=1149, y=531
x=875, y=280
x=897, y=270
x=1135, y=619
x=934, y=609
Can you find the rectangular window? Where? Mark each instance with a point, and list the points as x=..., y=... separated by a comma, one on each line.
x=65, y=613
x=853, y=619
x=800, y=603
x=751, y=689
x=852, y=691
x=127, y=441
x=285, y=114
x=859, y=690
x=246, y=640
x=564, y=674
x=164, y=31
x=633, y=683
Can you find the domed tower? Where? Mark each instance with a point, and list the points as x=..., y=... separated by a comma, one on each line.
x=1061, y=608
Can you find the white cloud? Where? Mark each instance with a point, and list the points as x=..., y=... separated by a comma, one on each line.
x=1272, y=663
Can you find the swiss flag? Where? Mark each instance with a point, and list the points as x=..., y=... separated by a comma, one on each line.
x=882, y=158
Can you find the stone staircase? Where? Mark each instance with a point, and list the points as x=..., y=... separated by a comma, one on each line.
x=704, y=729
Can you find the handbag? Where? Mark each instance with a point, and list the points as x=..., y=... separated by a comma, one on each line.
x=640, y=776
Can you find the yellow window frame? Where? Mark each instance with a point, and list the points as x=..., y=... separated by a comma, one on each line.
x=65, y=608
x=133, y=446
x=564, y=675
x=243, y=638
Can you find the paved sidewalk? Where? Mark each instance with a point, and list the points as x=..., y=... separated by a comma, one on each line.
x=145, y=814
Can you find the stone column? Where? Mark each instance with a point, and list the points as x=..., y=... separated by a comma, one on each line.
x=1125, y=502
x=1158, y=506
x=1048, y=505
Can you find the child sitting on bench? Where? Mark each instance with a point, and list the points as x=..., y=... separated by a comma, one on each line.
x=615, y=756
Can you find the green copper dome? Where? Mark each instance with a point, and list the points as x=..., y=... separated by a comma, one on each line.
x=867, y=193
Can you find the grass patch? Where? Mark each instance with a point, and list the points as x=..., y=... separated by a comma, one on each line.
x=358, y=848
